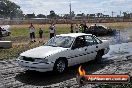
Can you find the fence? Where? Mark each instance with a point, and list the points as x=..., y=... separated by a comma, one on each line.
x=64, y=21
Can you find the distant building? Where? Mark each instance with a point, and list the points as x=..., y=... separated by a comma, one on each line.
x=91, y=15
x=106, y=16
x=66, y=16
x=99, y=14
x=28, y=16
x=80, y=16
x=41, y=16
x=130, y=15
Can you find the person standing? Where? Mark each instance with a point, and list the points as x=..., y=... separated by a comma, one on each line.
x=71, y=28
x=0, y=33
x=32, y=33
x=40, y=34
x=76, y=28
x=52, y=30
x=85, y=28
x=81, y=28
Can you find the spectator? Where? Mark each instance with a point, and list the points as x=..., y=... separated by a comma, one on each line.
x=40, y=34
x=0, y=33
x=52, y=30
x=81, y=28
x=32, y=33
x=77, y=28
x=95, y=27
x=71, y=28
x=85, y=28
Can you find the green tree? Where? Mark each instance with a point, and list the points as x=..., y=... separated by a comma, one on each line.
x=52, y=14
x=9, y=9
x=41, y=16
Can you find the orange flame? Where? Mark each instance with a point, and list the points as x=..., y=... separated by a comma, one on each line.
x=81, y=71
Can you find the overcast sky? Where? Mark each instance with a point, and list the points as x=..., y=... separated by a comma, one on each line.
x=78, y=6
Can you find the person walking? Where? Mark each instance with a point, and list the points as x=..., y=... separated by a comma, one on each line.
x=52, y=30
x=32, y=33
x=40, y=34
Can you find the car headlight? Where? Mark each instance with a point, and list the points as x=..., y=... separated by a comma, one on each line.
x=41, y=60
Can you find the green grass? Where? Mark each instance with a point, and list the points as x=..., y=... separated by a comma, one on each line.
x=16, y=50
x=20, y=36
x=21, y=41
x=23, y=30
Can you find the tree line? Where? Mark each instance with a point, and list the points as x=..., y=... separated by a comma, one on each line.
x=9, y=9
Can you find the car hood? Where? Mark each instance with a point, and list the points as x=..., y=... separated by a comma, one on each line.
x=6, y=28
x=42, y=51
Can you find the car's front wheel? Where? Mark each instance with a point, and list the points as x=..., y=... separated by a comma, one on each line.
x=60, y=66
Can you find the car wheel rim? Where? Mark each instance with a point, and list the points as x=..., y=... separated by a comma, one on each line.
x=60, y=66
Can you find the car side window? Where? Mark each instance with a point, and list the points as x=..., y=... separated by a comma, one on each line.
x=79, y=42
x=89, y=41
x=98, y=40
x=101, y=28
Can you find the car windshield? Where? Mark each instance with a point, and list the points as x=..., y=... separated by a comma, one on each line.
x=60, y=41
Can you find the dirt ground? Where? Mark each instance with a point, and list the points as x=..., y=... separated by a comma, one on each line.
x=13, y=76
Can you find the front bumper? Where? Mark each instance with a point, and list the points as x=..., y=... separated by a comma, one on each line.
x=41, y=67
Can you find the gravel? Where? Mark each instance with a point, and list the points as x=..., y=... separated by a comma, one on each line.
x=13, y=76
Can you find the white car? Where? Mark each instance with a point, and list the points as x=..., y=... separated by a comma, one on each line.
x=63, y=51
x=6, y=30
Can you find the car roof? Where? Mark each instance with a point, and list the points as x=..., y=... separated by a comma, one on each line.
x=98, y=25
x=74, y=34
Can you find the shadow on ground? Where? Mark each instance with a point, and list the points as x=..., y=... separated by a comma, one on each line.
x=48, y=78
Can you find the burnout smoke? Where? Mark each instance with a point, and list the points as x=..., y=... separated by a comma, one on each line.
x=121, y=36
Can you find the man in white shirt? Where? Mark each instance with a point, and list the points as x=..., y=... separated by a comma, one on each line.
x=52, y=30
x=77, y=28
x=32, y=33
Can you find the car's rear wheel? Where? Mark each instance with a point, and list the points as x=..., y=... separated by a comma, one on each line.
x=99, y=55
x=60, y=66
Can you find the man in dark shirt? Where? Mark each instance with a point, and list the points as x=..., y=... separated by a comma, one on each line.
x=85, y=28
x=0, y=33
x=40, y=34
x=71, y=28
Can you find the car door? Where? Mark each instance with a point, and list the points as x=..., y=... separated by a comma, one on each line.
x=77, y=52
x=91, y=47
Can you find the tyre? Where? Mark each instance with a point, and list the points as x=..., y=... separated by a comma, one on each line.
x=60, y=66
x=29, y=71
x=99, y=55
